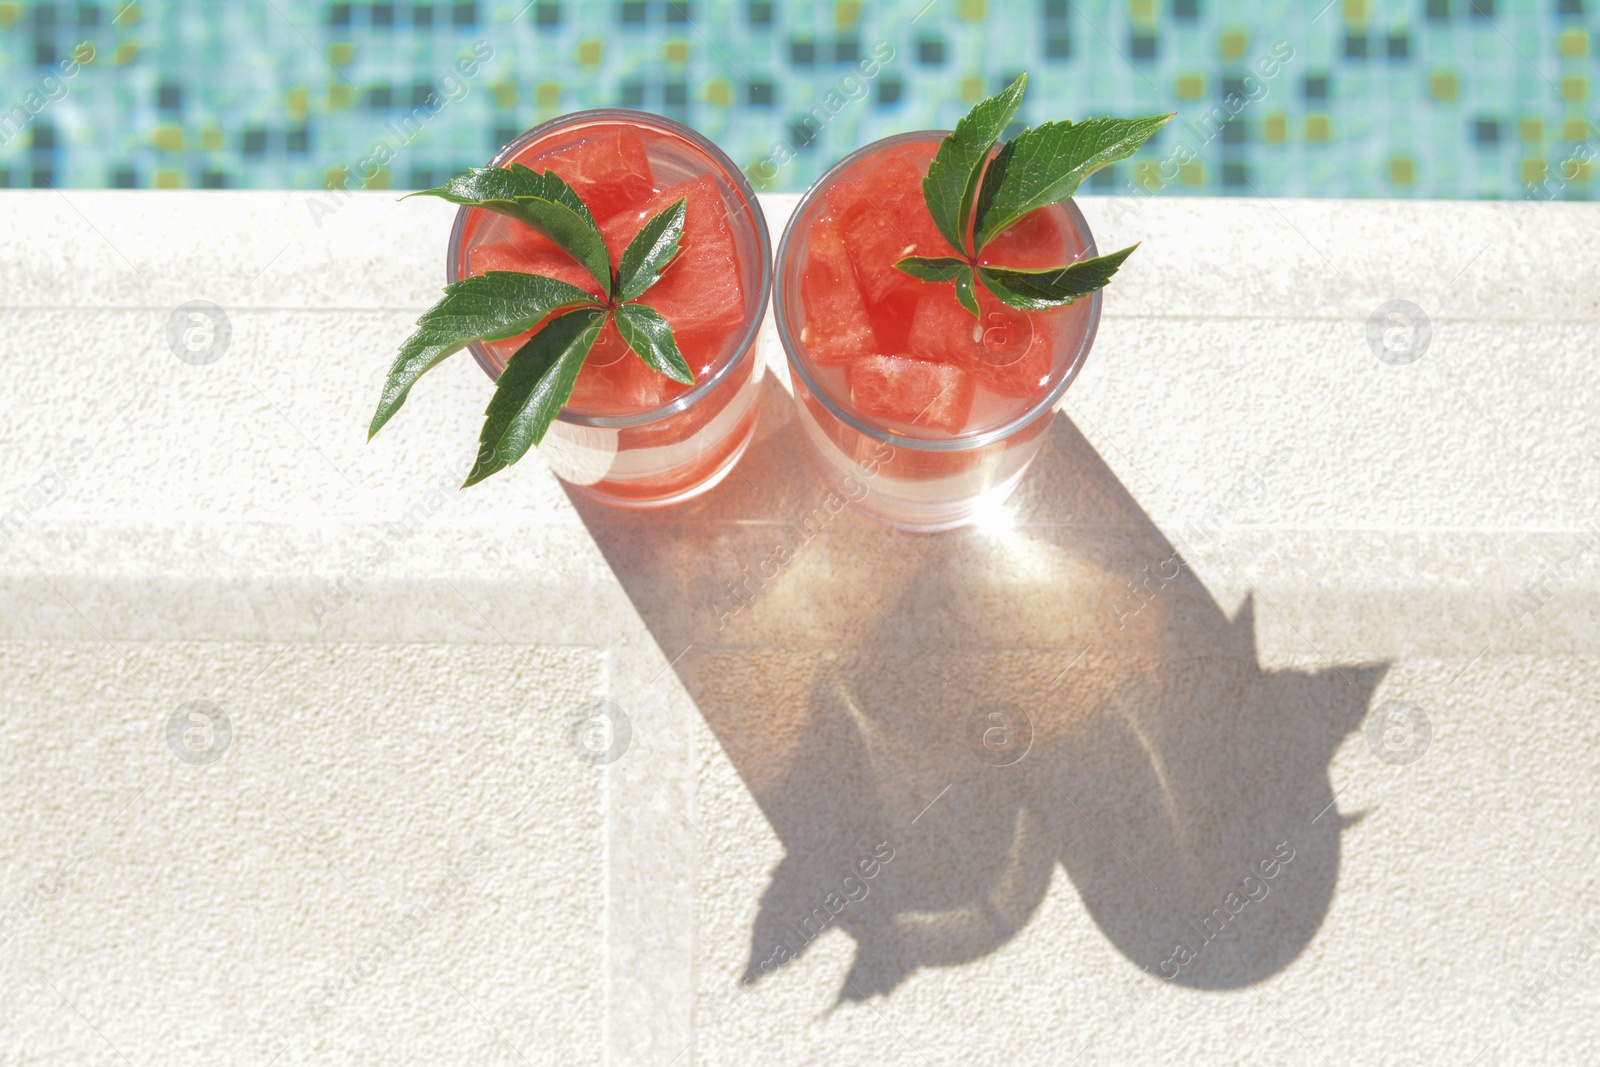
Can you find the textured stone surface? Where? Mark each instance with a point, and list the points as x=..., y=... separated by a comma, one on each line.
x=401, y=855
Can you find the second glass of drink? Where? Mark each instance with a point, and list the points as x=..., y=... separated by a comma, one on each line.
x=937, y=413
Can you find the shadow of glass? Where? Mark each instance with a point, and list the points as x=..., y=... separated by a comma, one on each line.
x=931, y=724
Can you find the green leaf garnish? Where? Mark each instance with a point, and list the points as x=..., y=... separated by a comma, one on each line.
x=542, y=201
x=485, y=307
x=650, y=336
x=537, y=381
x=944, y=269
x=1038, y=290
x=486, y=186
x=966, y=292
x=965, y=188
x=933, y=268
x=579, y=237
x=650, y=252
x=539, y=378
x=952, y=179
x=1045, y=165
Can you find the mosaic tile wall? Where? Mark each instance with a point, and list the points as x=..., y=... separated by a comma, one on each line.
x=1429, y=98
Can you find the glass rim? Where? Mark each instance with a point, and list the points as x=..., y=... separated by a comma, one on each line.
x=757, y=219
x=798, y=364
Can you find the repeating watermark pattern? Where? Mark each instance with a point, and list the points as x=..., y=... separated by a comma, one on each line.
x=1196, y=133
x=740, y=594
x=52, y=484
x=1000, y=734
x=1569, y=170
x=199, y=332
x=336, y=992
x=1399, y=332
x=454, y=86
x=352, y=580
x=853, y=889
x=850, y=88
x=1537, y=592
x=1005, y=334
x=1399, y=732
x=1248, y=488
x=51, y=89
x=38, y=893
x=599, y=733
x=1252, y=889
x=199, y=732
x=1144, y=587
x=1575, y=955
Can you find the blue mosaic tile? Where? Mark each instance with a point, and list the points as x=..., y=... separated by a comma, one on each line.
x=1426, y=98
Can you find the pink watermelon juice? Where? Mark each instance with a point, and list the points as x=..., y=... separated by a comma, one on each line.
x=885, y=365
x=630, y=435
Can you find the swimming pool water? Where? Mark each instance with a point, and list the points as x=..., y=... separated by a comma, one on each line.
x=1424, y=98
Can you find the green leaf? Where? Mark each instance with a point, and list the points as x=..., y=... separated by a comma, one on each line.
x=943, y=269
x=504, y=185
x=650, y=252
x=542, y=201
x=966, y=292
x=650, y=335
x=531, y=391
x=485, y=307
x=952, y=179
x=933, y=268
x=499, y=188
x=576, y=234
x=1045, y=165
x=1036, y=290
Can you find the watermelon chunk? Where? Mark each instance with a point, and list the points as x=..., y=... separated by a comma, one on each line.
x=1008, y=350
x=891, y=317
x=836, y=328
x=885, y=218
x=912, y=391
x=615, y=381
x=530, y=253
x=701, y=293
x=1033, y=242
x=942, y=330
x=609, y=170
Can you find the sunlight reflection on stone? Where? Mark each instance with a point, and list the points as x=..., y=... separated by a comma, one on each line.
x=994, y=519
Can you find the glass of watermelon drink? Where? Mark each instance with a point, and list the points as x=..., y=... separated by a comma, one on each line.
x=629, y=435
x=936, y=413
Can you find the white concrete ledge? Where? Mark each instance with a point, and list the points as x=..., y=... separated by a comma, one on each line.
x=1251, y=556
